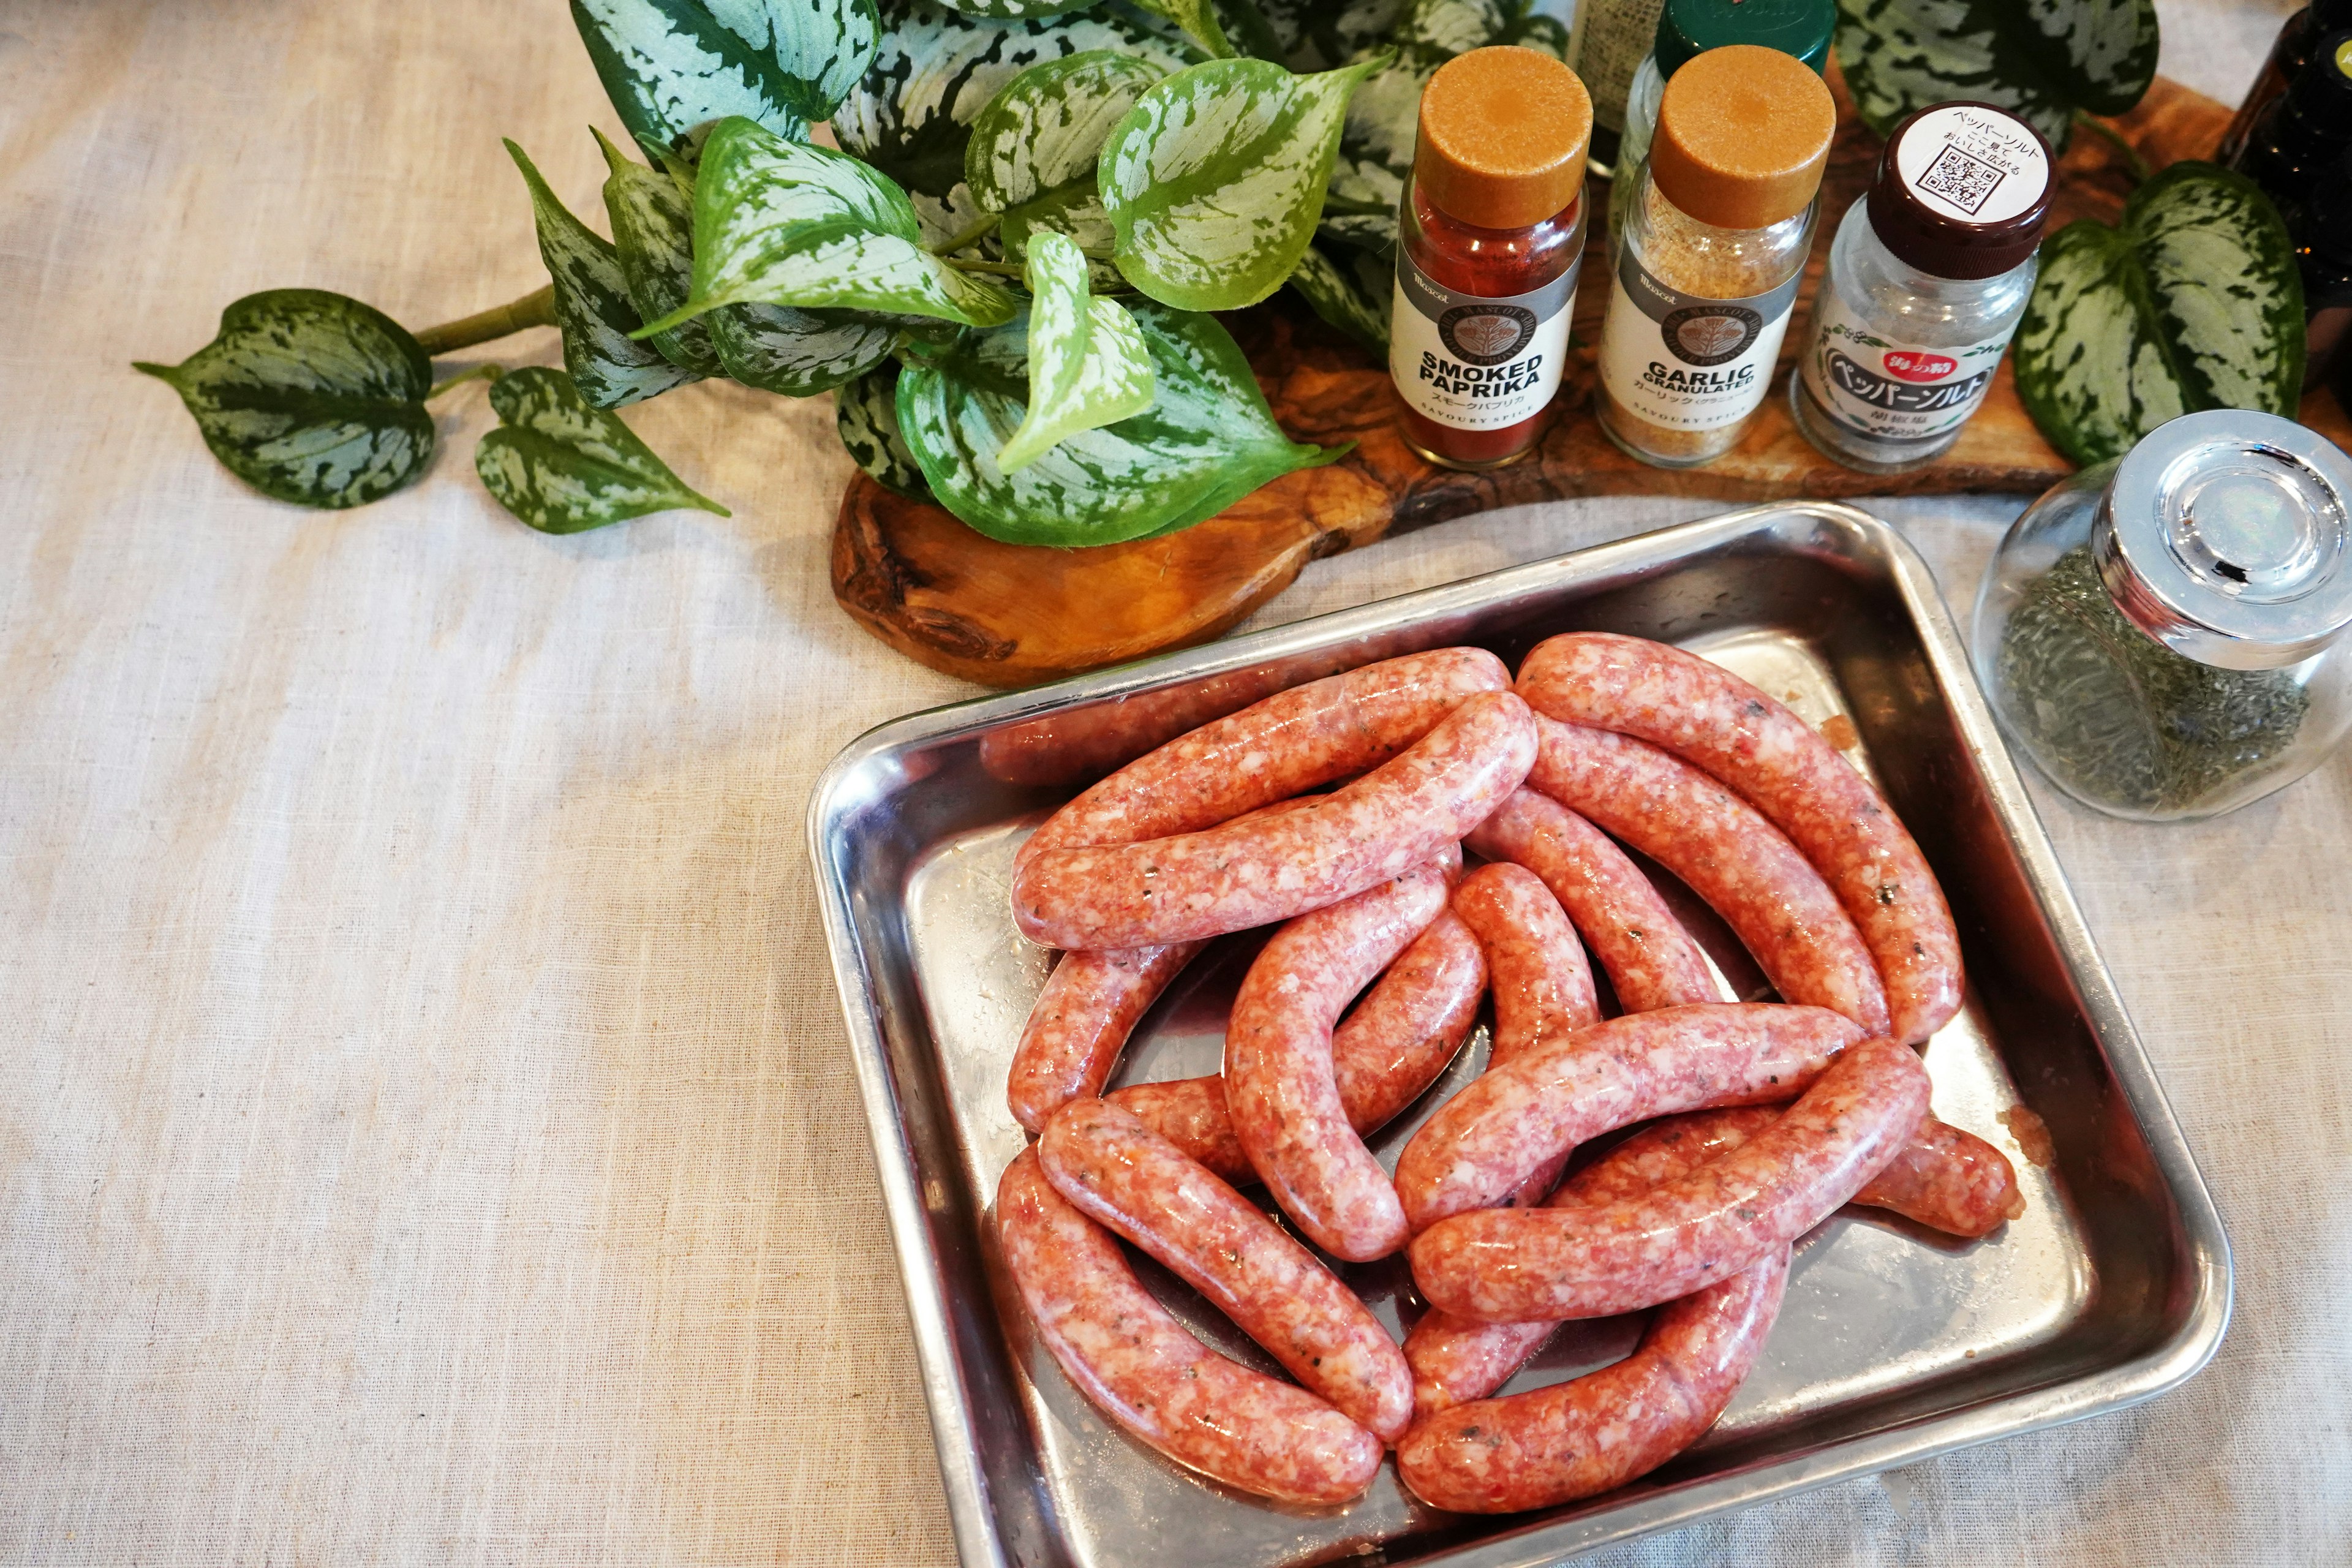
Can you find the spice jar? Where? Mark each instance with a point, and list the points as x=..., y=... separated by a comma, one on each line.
x=2163, y=634
x=1490, y=237
x=1708, y=267
x=1606, y=38
x=1687, y=30
x=1927, y=278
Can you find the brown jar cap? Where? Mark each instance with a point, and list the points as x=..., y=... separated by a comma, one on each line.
x=1743, y=136
x=1963, y=190
x=1503, y=136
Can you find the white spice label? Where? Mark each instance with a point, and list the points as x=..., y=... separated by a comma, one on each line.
x=1972, y=165
x=1475, y=364
x=1686, y=362
x=1893, y=392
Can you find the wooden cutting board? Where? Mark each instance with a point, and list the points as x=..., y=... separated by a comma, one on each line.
x=1010, y=615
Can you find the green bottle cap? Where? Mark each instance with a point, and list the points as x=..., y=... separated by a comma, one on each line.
x=1690, y=28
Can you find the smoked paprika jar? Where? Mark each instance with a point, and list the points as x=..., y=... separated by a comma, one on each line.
x=1490, y=234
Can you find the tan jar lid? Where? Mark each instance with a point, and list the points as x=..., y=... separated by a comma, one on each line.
x=1503, y=136
x=1743, y=136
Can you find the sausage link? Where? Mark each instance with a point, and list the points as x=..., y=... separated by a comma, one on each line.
x=1741, y=865
x=1513, y=1265
x=1081, y=744
x=1292, y=742
x=1256, y=873
x=1140, y=1367
x=1706, y=715
x=1090, y=1005
x=1280, y=1083
x=1595, y=1433
x=1944, y=1178
x=1120, y=1174
x=1386, y=1052
x=1506, y=1124
x=1542, y=986
x=1652, y=961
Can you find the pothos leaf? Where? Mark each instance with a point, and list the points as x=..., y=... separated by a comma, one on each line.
x=653, y=238
x=1316, y=35
x=797, y=352
x=2193, y=303
x=780, y=223
x=675, y=67
x=1014, y=10
x=592, y=305
x=1215, y=180
x=2040, y=59
x=1034, y=150
x=1207, y=440
x=1198, y=18
x=309, y=397
x=563, y=467
x=1343, y=297
x=865, y=414
x=911, y=116
x=1088, y=364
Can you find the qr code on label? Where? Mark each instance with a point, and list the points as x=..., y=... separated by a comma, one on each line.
x=1962, y=180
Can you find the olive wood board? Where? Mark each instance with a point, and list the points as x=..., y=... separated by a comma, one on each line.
x=1011, y=615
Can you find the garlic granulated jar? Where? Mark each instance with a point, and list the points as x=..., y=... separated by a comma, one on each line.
x=1712, y=254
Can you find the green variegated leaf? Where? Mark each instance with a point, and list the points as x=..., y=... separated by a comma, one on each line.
x=866, y=413
x=2194, y=302
x=1014, y=10
x=1215, y=180
x=592, y=305
x=1207, y=440
x=780, y=223
x=911, y=116
x=1087, y=363
x=798, y=352
x=1198, y=20
x=653, y=237
x=1339, y=294
x=1076, y=213
x=1316, y=35
x=675, y=67
x=309, y=397
x=1045, y=129
x=563, y=467
x=2040, y=59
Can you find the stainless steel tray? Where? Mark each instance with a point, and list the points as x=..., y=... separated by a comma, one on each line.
x=1893, y=1344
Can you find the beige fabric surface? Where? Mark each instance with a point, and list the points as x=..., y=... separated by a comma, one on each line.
x=427, y=1134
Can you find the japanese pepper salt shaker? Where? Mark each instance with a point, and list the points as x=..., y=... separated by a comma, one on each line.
x=2164, y=634
x=1927, y=278
x=1712, y=253
x=1490, y=237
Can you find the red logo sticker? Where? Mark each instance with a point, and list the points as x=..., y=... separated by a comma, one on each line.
x=1905, y=365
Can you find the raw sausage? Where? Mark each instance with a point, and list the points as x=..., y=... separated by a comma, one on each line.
x=1386, y=1052
x=1505, y=1125
x=1256, y=873
x=1141, y=1368
x=1280, y=1083
x=1290, y=742
x=1536, y=967
x=1944, y=1178
x=1650, y=960
x=1512, y=1266
x=1741, y=865
x=1593, y=1434
x=1704, y=713
x=1080, y=744
x=1118, y=1173
x=1091, y=1002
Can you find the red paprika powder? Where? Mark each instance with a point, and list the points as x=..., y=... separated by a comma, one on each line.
x=1490, y=236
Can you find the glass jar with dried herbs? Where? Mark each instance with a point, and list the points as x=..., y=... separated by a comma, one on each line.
x=2163, y=634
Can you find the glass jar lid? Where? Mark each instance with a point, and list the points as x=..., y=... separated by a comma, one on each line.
x=2226, y=536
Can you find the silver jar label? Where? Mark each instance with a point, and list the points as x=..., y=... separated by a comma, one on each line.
x=1893, y=391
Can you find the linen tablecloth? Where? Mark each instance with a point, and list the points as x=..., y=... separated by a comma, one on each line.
x=427, y=1134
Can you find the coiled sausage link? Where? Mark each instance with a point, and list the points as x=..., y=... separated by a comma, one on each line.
x=1290, y=742
x=1515, y=1265
x=1742, y=865
x=1280, y=1083
x=1507, y=1124
x=1652, y=961
x=1120, y=1174
x=1256, y=873
x=1383, y=1055
x=1542, y=986
x=1704, y=713
x=1140, y=1367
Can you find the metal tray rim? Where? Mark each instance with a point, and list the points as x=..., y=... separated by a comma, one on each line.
x=2111, y=1388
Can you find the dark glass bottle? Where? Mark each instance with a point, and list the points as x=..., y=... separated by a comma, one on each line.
x=2288, y=56
x=2296, y=138
x=2321, y=224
